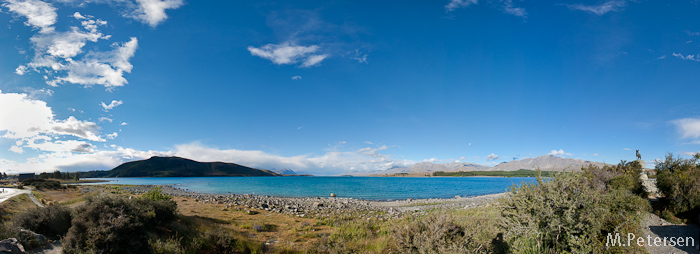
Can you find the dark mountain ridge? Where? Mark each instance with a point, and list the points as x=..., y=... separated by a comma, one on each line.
x=178, y=167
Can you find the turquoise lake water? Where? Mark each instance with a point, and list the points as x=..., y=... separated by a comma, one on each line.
x=370, y=188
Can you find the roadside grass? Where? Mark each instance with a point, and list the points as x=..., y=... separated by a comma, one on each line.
x=15, y=205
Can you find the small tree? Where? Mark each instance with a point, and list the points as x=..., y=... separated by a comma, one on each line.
x=76, y=176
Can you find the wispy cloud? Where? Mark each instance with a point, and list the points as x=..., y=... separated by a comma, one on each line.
x=152, y=12
x=39, y=14
x=506, y=6
x=688, y=57
x=492, y=157
x=456, y=4
x=25, y=118
x=60, y=56
x=296, y=78
x=289, y=53
x=601, y=9
x=689, y=128
x=559, y=152
x=509, y=8
x=111, y=105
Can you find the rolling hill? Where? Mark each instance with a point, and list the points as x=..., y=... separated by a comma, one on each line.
x=177, y=167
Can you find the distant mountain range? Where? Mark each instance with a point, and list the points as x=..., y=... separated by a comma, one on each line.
x=284, y=171
x=545, y=163
x=178, y=167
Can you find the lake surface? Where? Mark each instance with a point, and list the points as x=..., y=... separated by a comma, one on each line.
x=371, y=188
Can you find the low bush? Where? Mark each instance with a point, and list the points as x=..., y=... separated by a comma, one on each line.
x=434, y=233
x=679, y=181
x=116, y=225
x=569, y=213
x=107, y=225
x=50, y=221
x=624, y=175
x=42, y=184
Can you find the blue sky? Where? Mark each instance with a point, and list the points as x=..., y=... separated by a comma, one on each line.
x=326, y=87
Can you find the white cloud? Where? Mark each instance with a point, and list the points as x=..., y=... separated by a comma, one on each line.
x=687, y=154
x=492, y=157
x=47, y=144
x=152, y=12
x=37, y=93
x=105, y=119
x=289, y=53
x=689, y=128
x=111, y=105
x=509, y=8
x=430, y=160
x=82, y=161
x=688, y=57
x=361, y=59
x=21, y=117
x=332, y=162
x=601, y=9
x=112, y=136
x=456, y=4
x=39, y=14
x=313, y=60
x=627, y=149
x=60, y=56
x=661, y=57
x=17, y=149
x=124, y=123
x=560, y=152
x=296, y=78
x=506, y=6
x=595, y=154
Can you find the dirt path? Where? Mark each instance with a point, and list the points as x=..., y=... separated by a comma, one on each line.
x=659, y=228
x=7, y=193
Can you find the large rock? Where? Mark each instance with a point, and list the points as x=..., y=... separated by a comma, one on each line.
x=11, y=246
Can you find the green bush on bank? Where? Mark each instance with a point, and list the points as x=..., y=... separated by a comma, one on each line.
x=679, y=181
x=117, y=225
x=572, y=213
x=43, y=184
x=51, y=221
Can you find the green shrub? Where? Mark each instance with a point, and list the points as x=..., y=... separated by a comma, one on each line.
x=434, y=233
x=679, y=181
x=43, y=184
x=50, y=221
x=156, y=194
x=621, y=176
x=569, y=213
x=116, y=225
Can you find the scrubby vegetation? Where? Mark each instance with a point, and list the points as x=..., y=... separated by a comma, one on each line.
x=679, y=181
x=570, y=213
x=50, y=221
x=517, y=173
x=42, y=184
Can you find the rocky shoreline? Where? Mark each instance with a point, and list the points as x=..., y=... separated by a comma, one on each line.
x=324, y=207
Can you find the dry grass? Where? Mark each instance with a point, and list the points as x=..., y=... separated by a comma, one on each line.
x=15, y=205
x=287, y=231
